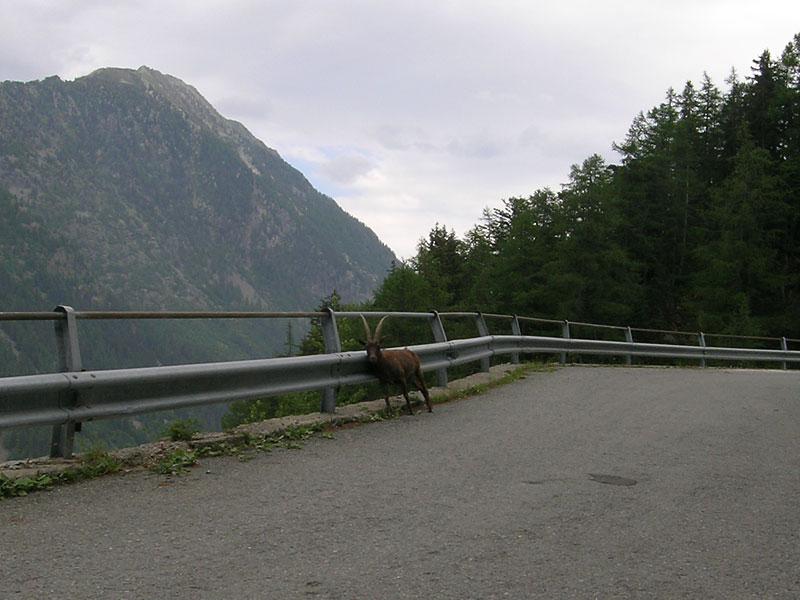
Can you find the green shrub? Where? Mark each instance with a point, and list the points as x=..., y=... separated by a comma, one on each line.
x=182, y=430
x=176, y=462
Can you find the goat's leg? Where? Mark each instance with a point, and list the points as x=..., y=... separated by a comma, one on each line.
x=385, y=389
x=408, y=402
x=404, y=385
x=423, y=388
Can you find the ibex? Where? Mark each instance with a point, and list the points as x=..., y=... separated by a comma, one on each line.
x=394, y=366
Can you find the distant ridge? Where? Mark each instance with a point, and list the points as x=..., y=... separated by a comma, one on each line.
x=126, y=189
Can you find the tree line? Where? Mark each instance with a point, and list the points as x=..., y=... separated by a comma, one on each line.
x=695, y=229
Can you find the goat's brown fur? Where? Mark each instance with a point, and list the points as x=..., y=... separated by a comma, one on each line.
x=394, y=366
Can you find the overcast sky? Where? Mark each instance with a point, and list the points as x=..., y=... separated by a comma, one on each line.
x=411, y=113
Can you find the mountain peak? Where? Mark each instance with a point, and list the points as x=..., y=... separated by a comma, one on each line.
x=155, y=200
x=181, y=95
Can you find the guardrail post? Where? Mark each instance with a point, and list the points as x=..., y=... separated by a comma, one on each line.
x=785, y=348
x=565, y=335
x=330, y=336
x=702, y=338
x=438, y=336
x=69, y=360
x=629, y=339
x=515, y=330
x=483, y=331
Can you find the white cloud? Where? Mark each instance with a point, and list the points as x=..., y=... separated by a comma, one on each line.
x=346, y=169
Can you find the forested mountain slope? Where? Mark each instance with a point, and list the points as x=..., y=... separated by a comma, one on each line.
x=126, y=190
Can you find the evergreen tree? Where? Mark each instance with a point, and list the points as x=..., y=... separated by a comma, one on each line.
x=524, y=237
x=440, y=263
x=652, y=190
x=589, y=276
x=405, y=289
x=740, y=281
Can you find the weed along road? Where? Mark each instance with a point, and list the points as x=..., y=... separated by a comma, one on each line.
x=579, y=483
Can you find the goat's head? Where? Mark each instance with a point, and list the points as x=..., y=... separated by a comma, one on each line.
x=373, y=343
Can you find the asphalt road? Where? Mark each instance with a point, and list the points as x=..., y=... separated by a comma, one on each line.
x=581, y=483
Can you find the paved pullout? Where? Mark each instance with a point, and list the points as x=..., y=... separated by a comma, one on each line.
x=580, y=483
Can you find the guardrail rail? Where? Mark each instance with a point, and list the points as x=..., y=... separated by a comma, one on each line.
x=74, y=395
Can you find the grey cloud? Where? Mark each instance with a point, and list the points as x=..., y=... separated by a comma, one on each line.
x=345, y=169
x=243, y=106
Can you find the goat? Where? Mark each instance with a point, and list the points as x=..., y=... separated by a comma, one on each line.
x=394, y=366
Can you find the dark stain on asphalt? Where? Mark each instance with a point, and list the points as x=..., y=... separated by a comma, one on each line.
x=612, y=479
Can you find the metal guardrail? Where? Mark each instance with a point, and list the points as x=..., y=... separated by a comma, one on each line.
x=67, y=398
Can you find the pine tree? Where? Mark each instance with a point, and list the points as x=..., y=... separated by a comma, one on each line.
x=440, y=262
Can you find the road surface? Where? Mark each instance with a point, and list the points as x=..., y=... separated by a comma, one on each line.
x=580, y=483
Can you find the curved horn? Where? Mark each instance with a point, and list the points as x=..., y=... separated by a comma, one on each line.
x=378, y=328
x=366, y=328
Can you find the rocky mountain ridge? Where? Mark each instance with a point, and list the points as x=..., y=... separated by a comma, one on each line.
x=125, y=189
